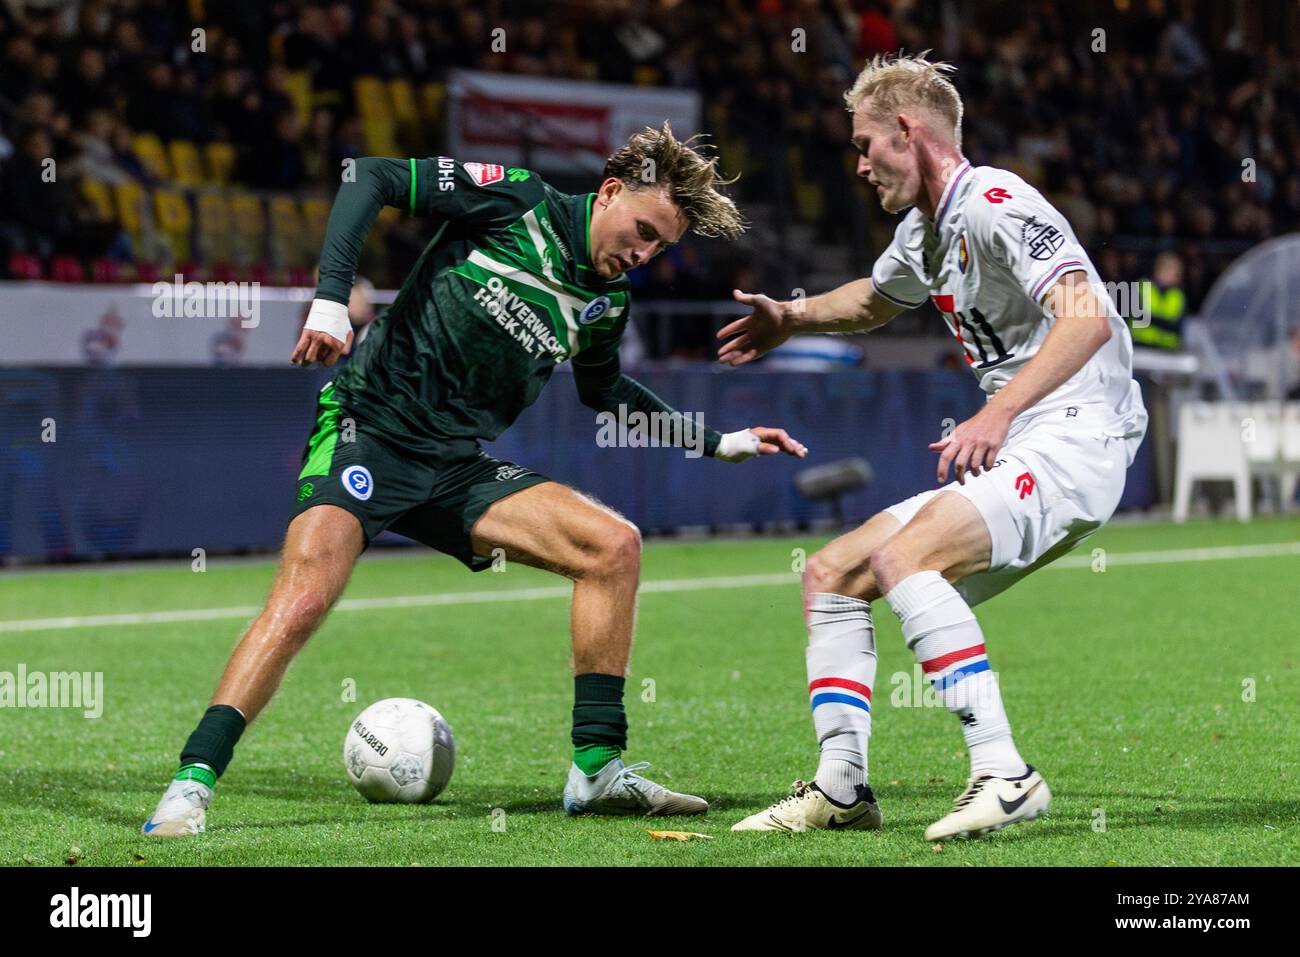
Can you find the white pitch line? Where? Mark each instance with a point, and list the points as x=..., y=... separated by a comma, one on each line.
x=245, y=612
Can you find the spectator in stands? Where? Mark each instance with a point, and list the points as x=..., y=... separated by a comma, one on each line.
x=1164, y=304
x=87, y=87
x=1146, y=141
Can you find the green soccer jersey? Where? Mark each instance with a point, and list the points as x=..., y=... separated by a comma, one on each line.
x=503, y=292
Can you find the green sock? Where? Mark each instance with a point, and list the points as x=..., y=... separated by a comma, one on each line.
x=196, y=772
x=599, y=723
x=590, y=758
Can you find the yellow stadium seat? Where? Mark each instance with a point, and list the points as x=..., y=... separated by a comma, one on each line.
x=214, y=226
x=130, y=199
x=381, y=137
x=372, y=97
x=808, y=201
x=298, y=86
x=100, y=197
x=433, y=100
x=288, y=237
x=187, y=168
x=172, y=211
x=150, y=151
x=402, y=96
x=315, y=214
x=249, y=218
x=220, y=159
x=377, y=120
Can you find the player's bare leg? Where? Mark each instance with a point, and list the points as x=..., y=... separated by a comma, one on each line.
x=320, y=550
x=946, y=541
x=553, y=527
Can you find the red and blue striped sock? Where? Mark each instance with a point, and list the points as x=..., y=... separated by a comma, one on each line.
x=942, y=632
x=841, y=669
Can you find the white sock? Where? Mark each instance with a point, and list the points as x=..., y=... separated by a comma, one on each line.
x=841, y=670
x=942, y=632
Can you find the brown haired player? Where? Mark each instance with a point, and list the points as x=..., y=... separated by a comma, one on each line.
x=518, y=278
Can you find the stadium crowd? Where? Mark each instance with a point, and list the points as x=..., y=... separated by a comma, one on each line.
x=1166, y=126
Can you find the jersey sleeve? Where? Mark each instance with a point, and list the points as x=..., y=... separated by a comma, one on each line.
x=603, y=386
x=1026, y=235
x=485, y=195
x=894, y=279
x=481, y=195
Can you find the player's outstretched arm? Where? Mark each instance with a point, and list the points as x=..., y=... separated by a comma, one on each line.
x=1082, y=327
x=604, y=387
x=853, y=307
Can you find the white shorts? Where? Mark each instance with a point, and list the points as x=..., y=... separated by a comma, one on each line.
x=1057, y=480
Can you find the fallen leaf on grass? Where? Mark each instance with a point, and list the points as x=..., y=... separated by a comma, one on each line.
x=678, y=835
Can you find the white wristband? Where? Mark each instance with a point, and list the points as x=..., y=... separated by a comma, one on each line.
x=737, y=446
x=331, y=318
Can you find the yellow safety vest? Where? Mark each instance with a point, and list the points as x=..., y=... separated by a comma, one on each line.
x=1165, y=314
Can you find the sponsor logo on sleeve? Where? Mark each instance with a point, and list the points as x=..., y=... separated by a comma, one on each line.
x=485, y=174
x=593, y=310
x=1041, y=239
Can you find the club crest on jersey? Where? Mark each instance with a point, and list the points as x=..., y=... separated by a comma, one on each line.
x=485, y=174
x=1042, y=239
x=963, y=258
x=357, y=480
x=593, y=310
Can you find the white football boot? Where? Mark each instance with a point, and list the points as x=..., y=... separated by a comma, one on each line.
x=991, y=803
x=809, y=809
x=181, y=812
x=618, y=789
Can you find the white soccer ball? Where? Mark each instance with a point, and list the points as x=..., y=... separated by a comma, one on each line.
x=399, y=750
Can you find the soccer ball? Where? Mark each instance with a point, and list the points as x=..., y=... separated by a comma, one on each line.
x=399, y=750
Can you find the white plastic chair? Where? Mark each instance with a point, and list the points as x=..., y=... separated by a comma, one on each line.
x=1211, y=448
x=1290, y=467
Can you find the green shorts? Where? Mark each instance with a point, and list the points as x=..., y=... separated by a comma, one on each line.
x=433, y=499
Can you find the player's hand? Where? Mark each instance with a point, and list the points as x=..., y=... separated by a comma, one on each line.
x=760, y=332
x=759, y=440
x=973, y=445
x=316, y=346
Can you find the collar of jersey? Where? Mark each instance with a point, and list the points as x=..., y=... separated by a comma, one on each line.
x=949, y=192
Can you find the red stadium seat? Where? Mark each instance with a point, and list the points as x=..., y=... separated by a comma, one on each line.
x=105, y=269
x=67, y=269
x=223, y=272
x=300, y=276
x=146, y=271
x=25, y=266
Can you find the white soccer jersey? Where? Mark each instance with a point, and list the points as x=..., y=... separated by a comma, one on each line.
x=994, y=250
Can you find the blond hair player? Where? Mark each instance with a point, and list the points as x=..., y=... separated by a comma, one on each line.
x=1038, y=469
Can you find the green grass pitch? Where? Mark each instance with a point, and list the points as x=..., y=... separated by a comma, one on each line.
x=1160, y=699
